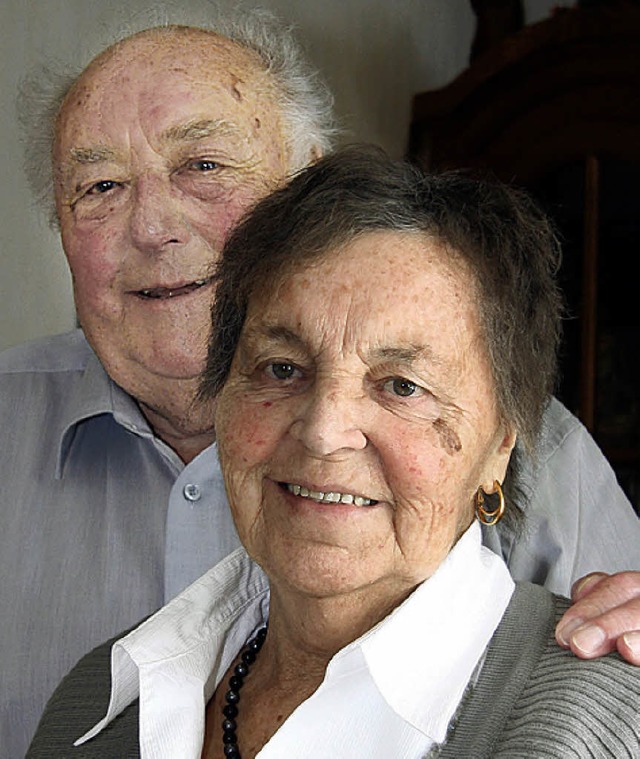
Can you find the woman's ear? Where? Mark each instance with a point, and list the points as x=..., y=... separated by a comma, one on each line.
x=506, y=440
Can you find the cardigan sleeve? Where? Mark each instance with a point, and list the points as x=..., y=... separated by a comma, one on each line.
x=535, y=699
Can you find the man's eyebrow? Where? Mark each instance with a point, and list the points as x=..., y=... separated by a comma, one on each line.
x=198, y=129
x=92, y=155
x=189, y=132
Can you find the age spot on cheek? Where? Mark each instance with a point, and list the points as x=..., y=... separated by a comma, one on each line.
x=448, y=438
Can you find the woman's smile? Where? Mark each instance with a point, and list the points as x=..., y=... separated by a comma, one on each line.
x=328, y=495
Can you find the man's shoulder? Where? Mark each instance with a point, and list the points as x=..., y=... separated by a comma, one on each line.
x=560, y=428
x=566, y=453
x=68, y=352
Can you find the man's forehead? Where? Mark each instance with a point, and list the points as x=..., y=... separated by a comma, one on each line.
x=190, y=53
x=158, y=71
x=179, y=42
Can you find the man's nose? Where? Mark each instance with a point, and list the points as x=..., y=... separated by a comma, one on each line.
x=331, y=420
x=156, y=219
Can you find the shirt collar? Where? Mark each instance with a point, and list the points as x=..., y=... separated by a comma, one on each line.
x=195, y=638
x=450, y=619
x=97, y=394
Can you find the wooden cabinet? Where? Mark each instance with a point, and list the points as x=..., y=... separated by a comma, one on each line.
x=555, y=107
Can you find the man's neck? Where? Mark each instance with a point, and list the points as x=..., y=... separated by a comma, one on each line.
x=186, y=428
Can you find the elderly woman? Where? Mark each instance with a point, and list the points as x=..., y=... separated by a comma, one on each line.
x=380, y=340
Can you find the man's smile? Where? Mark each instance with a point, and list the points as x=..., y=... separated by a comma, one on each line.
x=163, y=293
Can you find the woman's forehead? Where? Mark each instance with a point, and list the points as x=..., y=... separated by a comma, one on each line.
x=382, y=263
x=396, y=283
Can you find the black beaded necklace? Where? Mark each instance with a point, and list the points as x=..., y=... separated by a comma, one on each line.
x=232, y=696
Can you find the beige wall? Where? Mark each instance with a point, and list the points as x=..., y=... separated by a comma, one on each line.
x=375, y=54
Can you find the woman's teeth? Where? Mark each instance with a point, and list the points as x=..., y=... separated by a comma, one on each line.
x=314, y=495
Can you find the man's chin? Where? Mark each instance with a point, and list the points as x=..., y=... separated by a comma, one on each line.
x=134, y=369
x=150, y=355
x=170, y=365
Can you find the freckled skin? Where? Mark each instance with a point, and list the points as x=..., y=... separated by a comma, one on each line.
x=154, y=213
x=337, y=422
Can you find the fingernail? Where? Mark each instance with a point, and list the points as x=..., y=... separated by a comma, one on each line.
x=588, y=638
x=585, y=582
x=564, y=631
x=632, y=639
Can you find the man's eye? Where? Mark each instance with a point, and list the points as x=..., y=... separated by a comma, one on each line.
x=402, y=387
x=204, y=165
x=282, y=371
x=99, y=188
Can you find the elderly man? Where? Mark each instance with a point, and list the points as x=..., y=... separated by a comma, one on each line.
x=112, y=500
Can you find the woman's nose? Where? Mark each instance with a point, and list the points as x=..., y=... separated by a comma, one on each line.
x=330, y=421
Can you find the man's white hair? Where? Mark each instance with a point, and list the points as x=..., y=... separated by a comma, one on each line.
x=304, y=100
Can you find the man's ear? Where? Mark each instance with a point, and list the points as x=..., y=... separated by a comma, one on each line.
x=315, y=154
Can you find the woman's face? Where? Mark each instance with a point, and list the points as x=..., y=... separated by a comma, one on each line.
x=359, y=418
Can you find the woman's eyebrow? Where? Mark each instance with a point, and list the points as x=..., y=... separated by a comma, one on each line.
x=406, y=354
x=400, y=354
x=276, y=333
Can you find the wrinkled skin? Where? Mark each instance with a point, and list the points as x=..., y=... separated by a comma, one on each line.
x=605, y=617
x=161, y=145
x=394, y=403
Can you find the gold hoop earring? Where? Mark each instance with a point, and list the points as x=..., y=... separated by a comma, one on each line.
x=489, y=518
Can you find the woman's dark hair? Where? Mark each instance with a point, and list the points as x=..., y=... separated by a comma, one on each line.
x=502, y=235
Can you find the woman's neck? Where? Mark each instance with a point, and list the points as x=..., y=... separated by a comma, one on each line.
x=306, y=632
x=304, y=635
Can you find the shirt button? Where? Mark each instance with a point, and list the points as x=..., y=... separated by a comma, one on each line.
x=191, y=492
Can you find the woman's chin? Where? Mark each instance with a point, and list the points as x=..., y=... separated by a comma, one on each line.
x=322, y=572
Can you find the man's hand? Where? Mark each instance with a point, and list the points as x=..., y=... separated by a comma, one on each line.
x=605, y=616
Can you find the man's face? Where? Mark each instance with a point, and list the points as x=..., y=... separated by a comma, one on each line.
x=160, y=147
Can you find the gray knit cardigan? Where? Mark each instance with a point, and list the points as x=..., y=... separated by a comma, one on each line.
x=531, y=700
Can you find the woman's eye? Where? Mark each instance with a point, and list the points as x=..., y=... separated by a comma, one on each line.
x=282, y=371
x=401, y=387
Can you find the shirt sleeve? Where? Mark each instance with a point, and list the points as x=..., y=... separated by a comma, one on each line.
x=578, y=519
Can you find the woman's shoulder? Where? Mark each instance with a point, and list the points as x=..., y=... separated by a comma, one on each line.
x=77, y=704
x=532, y=698
x=573, y=707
